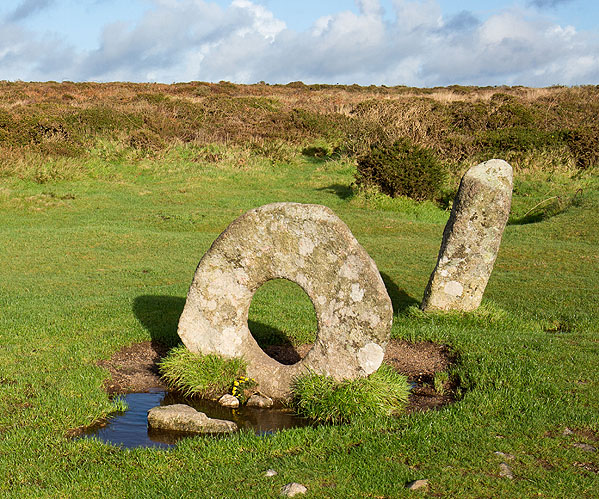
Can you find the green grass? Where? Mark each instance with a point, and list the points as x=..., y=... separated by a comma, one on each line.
x=205, y=376
x=321, y=398
x=101, y=254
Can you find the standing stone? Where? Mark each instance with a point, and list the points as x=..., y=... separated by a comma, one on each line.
x=471, y=238
x=305, y=244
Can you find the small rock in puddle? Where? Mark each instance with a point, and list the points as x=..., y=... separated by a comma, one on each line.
x=183, y=418
x=229, y=400
x=130, y=428
x=259, y=400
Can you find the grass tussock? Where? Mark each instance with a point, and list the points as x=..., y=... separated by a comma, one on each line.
x=200, y=375
x=321, y=398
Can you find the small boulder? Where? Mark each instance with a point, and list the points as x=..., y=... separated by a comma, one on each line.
x=229, y=400
x=293, y=489
x=505, y=471
x=181, y=417
x=259, y=400
x=270, y=472
x=417, y=484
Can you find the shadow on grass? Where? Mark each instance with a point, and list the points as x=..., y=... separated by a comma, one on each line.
x=342, y=191
x=528, y=219
x=399, y=298
x=160, y=316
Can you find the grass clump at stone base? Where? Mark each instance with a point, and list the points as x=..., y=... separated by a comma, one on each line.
x=323, y=399
x=205, y=376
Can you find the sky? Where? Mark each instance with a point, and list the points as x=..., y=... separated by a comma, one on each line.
x=423, y=43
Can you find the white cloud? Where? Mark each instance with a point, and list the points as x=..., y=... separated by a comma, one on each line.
x=182, y=40
x=370, y=7
x=264, y=22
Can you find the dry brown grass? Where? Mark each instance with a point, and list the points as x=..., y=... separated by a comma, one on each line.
x=461, y=124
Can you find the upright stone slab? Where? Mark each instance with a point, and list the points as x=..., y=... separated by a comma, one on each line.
x=471, y=238
x=311, y=246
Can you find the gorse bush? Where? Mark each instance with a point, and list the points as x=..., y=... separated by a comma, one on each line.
x=321, y=398
x=402, y=169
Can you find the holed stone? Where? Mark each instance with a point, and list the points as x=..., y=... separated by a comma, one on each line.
x=305, y=244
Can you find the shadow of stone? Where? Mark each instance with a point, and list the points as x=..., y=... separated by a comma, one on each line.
x=274, y=343
x=160, y=316
x=528, y=219
x=341, y=191
x=399, y=298
x=267, y=335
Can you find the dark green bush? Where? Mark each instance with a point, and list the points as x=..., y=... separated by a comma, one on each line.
x=584, y=146
x=517, y=139
x=402, y=169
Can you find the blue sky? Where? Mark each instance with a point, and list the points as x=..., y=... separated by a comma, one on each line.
x=390, y=42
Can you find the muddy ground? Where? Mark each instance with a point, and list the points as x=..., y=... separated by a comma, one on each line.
x=134, y=368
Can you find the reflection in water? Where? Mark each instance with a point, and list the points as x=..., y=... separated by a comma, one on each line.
x=130, y=429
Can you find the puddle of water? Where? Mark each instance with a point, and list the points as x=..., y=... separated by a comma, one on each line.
x=130, y=428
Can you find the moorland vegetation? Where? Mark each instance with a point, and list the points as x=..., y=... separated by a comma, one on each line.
x=111, y=193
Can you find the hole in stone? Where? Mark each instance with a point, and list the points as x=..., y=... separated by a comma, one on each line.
x=283, y=321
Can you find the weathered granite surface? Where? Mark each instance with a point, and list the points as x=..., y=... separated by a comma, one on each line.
x=471, y=238
x=229, y=400
x=260, y=401
x=293, y=489
x=181, y=417
x=311, y=246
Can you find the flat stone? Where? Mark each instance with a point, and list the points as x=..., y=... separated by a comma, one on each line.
x=270, y=472
x=471, y=238
x=293, y=489
x=503, y=455
x=505, y=471
x=229, y=400
x=417, y=484
x=259, y=400
x=183, y=418
x=305, y=244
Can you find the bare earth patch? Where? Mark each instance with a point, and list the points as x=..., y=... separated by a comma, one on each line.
x=134, y=368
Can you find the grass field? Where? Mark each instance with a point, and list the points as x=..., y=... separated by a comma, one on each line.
x=98, y=252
